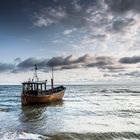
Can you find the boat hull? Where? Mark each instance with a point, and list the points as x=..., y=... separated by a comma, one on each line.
x=31, y=99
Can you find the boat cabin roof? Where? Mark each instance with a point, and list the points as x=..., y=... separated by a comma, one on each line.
x=35, y=82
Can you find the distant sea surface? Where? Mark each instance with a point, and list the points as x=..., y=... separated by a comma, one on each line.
x=87, y=112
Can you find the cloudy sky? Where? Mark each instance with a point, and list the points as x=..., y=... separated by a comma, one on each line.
x=88, y=41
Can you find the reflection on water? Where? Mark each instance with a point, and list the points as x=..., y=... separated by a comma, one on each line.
x=36, y=118
x=34, y=113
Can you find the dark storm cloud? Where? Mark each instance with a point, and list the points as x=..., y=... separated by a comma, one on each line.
x=103, y=63
x=133, y=74
x=114, y=68
x=30, y=62
x=84, y=59
x=123, y=15
x=98, y=17
x=4, y=67
x=123, y=5
x=18, y=59
x=64, y=62
x=59, y=61
x=124, y=74
x=104, y=67
x=24, y=14
x=98, y=36
x=99, y=64
x=70, y=12
x=121, y=24
x=68, y=62
x=71, y=62
x=130, y=60
x=70, y=67
x=107, y=59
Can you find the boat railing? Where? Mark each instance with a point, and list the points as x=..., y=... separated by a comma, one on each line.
x=30, y=82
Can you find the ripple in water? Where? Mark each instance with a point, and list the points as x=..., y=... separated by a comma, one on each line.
x=102, y=112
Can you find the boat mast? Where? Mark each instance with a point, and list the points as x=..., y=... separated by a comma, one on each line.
x=35, y=77
x=52, y=78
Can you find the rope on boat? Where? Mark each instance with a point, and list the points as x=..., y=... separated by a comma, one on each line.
x=88, y=100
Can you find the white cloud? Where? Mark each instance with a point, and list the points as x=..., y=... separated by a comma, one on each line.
x=43, y=22
x=48, y=16
x=69, y=31
x=76, y=4
x=56, y=12
x=121, y=32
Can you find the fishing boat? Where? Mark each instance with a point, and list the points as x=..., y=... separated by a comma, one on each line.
x=36, y=92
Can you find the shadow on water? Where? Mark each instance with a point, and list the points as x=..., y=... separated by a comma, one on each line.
x=33, y=118
x=35, y=112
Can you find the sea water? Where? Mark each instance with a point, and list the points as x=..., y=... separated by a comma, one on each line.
x=96, y=112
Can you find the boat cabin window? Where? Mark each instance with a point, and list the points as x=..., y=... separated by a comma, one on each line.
x=39, y=86
x=34, y=87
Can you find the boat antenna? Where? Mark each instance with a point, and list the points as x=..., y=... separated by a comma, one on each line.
x=35, y=77
x=52, y=78
x=52, y=70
